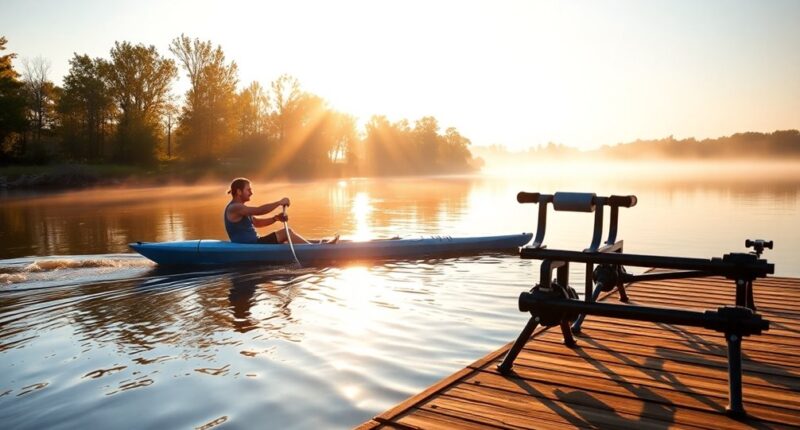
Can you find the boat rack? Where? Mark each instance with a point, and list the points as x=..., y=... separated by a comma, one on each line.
x=553, y=302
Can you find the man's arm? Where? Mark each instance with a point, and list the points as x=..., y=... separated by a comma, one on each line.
x=242, y=210
x=263, y=222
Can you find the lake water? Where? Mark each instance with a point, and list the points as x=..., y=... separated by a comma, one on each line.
x=94, y=336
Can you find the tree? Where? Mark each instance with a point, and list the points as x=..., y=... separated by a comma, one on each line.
x=169, y=119
x=373, y=148
x=12, y=106
x=426, y=142
x=86, y=109
x=252, y=109
x=454, y=152
x=395, y=148
x=40, y=93
x=308, y=136
x=345, y=139
x=286, y=93
x=139, y=81
x=283, y=123
x=388, y=147
x=252, y=144
x=42, y=98
x=208, y=120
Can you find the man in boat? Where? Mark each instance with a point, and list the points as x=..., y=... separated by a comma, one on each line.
x=241, y=220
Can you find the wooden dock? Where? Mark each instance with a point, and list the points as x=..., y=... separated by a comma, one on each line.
x=628, y=374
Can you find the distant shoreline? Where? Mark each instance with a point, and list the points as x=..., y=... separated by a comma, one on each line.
x=778, y=145
x=80, y=176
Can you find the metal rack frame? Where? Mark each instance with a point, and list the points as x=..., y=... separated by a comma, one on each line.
x=553, y=302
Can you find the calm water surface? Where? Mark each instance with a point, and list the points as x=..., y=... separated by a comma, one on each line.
x=91, y=335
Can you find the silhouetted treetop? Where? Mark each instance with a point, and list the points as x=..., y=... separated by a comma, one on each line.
x=779, y=144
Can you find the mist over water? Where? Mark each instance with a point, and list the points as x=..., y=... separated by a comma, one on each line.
x=91, y=334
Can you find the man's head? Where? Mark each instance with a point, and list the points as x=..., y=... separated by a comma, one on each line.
x=240, y=188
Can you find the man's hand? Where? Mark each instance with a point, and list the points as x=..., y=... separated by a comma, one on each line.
x=284, y=202
x=281, y=218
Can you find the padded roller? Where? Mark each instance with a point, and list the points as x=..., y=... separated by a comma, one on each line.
x=524, y=197
x=624, y=201
x=574, y=202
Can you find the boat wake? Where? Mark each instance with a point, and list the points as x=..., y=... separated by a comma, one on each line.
x=58, y=269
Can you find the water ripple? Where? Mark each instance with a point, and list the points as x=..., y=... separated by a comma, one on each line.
x=359, y=336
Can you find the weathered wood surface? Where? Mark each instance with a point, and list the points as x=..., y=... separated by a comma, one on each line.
x=628, y=374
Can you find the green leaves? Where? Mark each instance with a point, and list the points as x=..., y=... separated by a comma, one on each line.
x=138, y=79
x=208, y=122
x=12, y=106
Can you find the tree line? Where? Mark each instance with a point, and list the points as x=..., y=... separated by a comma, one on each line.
x=121, y=109
x=749, y=145
x=778, y=145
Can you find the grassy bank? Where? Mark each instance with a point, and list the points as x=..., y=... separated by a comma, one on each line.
x=67, y=176
x=85, y=175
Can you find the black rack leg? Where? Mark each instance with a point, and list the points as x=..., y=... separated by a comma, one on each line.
x=569, y=340
x=741, y=292
x=508, y=360
x=751, y=302
x=576, y=326
x=735, y=408
x=623, y=295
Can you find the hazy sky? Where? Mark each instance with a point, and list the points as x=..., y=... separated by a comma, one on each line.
x=518, y=73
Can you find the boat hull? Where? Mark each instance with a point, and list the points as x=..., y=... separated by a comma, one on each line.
x=217, y=252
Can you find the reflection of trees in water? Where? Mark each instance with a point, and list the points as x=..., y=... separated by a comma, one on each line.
x=393, y=202
x=107, y=220
x=81, y=223
x=196, y=312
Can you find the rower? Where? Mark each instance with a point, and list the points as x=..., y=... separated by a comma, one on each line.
x=242, y=220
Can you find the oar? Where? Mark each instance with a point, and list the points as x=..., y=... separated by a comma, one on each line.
x=289, y=236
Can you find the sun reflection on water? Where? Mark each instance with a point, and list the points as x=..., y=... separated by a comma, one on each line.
x=362, y=211
x=173, y=227
x=359, y=288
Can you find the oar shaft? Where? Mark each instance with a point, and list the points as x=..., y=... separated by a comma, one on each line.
x=289, y=236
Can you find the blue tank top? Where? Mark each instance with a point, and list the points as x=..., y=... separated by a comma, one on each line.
x=240, y=232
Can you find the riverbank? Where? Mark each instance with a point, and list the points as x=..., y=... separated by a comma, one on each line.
x=77, y=176
x=61, y=176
